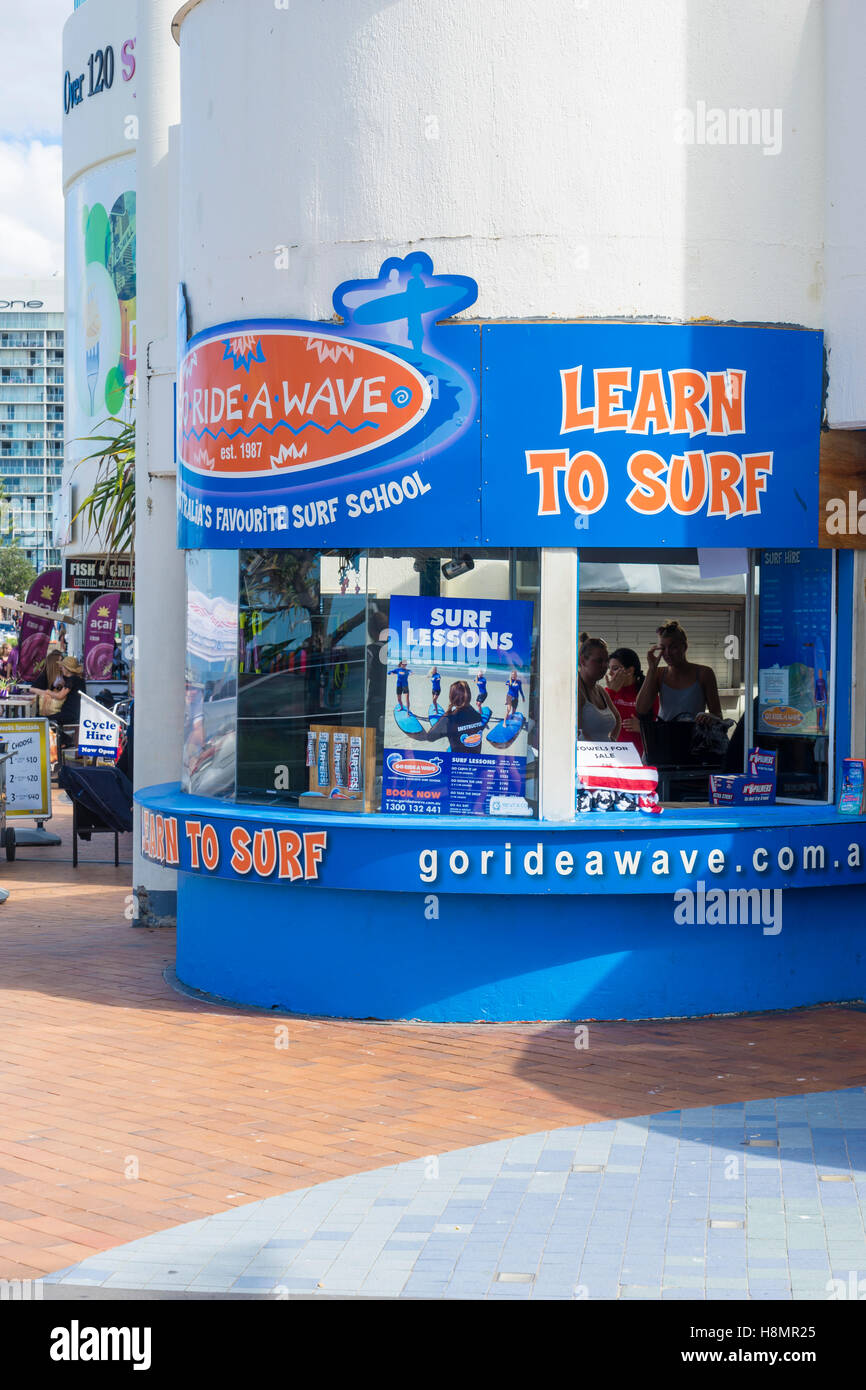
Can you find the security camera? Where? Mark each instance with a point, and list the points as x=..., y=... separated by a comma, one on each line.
x=460, y=564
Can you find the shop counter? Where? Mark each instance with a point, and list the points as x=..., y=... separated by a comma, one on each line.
x=615, y=915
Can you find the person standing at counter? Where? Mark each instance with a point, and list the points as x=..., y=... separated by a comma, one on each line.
x=684, y=689
x=624, y=680
x=598, y=718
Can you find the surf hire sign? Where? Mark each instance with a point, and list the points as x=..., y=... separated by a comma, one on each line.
x=369, y=431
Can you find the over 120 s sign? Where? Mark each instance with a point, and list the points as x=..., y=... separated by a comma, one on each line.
x=292, y=433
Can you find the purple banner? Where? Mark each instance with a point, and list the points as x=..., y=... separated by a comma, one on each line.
x=99, y=637
x=35, y=633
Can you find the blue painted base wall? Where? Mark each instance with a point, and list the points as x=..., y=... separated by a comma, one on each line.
x=375, y=955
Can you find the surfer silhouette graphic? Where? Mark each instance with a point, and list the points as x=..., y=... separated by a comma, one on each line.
x=406, y=292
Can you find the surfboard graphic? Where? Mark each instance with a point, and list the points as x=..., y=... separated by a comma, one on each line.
x=406, y=721
x=506, y=731
x=435, y=711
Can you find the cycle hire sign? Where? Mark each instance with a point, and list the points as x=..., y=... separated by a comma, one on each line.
x=28, y=779
x=98, y=731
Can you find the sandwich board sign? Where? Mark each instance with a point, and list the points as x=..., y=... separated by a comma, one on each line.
x=28, y=771
x=98, y=731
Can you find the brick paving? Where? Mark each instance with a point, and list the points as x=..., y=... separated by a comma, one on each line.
x=761, y=1201
x=127, y=1108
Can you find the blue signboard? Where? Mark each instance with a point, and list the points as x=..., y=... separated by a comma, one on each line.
x=456, y=722
x=300, y=434
x=738, y=848
x=794, y=641
x=650, y=435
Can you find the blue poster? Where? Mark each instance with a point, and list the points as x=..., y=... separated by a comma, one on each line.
x=794, y=641
x=457, y=720
x=650, y=435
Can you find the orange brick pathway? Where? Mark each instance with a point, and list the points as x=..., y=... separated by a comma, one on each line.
x=126, y=1108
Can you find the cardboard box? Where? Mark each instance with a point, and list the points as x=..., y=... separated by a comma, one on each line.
x=852, y=797
x=757, y=787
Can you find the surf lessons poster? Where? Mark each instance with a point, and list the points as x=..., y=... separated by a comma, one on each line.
x=456, y=711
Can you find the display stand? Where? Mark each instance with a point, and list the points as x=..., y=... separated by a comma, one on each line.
x=327, y=798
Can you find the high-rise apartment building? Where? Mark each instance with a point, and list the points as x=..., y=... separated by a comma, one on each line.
x=31, y=414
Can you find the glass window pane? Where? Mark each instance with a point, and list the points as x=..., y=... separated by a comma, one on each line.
x=303, y=625
x=623, y=602
x=792, y=709
x=210, y=716
x=452, y=681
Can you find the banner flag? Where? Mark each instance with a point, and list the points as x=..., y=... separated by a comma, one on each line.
x=99, y=637
x=35, y=633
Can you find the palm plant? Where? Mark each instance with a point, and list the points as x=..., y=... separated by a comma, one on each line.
x=109, y=508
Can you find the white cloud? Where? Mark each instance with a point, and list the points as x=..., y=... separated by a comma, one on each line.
x=31, y=208
x=31, y=91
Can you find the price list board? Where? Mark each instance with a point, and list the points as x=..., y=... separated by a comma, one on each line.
x=475, y=780
x=28, y=771
x=795, y=647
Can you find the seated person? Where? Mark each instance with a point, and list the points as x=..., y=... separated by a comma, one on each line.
x=684, y=689
x=49, y=677
x=71, y=674
x=597, y=716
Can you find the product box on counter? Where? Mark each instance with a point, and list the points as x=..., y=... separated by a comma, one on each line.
x=852, y=798
x=757, y=787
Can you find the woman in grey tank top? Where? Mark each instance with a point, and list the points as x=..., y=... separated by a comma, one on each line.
x=597, y=716
x=685, y=689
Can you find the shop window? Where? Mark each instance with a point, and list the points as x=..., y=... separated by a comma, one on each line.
x=792, y=710
x=210, y=716
x=452, y=681
x=301, y=670
x=368, y=681
x=677, y=697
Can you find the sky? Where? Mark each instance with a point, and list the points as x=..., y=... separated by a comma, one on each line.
x=31, y=95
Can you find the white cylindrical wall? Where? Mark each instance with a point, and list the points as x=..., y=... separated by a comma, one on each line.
x=160, y=608
x=99, y=180
x=845, y=319
x=549, y=160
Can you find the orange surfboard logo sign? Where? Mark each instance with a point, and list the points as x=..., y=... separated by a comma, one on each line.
x=261, y=402
x=782, y=717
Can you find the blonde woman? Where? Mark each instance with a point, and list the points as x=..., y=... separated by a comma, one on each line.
x=684, y=689
x=597, y=716
x=49, y=676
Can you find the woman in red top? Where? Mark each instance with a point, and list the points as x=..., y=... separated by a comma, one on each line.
x=624, y=679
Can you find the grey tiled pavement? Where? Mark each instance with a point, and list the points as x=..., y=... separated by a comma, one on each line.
x=726, y=1202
